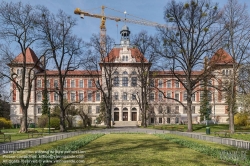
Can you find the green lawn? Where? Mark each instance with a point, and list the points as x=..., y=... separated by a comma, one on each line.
x=15, y=135
x=142, y=149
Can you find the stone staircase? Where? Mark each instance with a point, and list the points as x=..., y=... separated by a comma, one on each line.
x=125, y=123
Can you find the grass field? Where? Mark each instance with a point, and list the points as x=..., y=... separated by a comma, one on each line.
x=142, y=149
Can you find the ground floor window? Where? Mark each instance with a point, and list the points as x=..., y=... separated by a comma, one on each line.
x=152, y=120
x=168, y=120
x=160, y=120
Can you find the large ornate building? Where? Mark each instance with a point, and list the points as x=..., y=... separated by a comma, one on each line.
x=79, y=86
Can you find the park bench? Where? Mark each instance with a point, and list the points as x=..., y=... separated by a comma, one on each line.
x=47, y=129
x=180, y=129
x=225, y=133
x=5, y=137
x=33, y=132
x=170, y=127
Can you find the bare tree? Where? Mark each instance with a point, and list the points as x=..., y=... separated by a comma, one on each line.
x=18, y=30
x=145, y=55
x=64, y=49
x=100, y=65
x=192, y=36
x=237, y=23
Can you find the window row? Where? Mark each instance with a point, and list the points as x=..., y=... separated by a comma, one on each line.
x=71, y=83
x=174, y=110
x=124, y=81
x=89, y=109
x=79, y=96
x=124, y=96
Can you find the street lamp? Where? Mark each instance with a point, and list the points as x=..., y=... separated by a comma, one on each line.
x=49, y=117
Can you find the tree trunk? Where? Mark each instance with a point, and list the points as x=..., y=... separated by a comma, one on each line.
x=189, y=113
x=62, y=121
x=24, y=124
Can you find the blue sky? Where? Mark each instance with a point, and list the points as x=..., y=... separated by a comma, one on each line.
x=151, y=10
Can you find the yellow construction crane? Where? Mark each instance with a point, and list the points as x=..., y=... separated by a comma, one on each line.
x=103, y=20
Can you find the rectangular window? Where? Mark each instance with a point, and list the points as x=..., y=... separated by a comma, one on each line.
x=81, y=84
x=134, y=81
x=185, y=96
x=89, y=96
x=169, y=84
x=64, y=95
x=124, y=81
x=72, y=85
x=168, y=109
x=116, y=81
x=125, y=96
x=55, y=96
x=176, y=109
x=193, y=109
x=193, y=97
x=98, y=85
x=160, y=120
x=55, y=83
x=80, y=96
x=89, y=83
x=39, y=83
x=116, y=96
x=65, y=83
x=39, y=96
x=177, y=84
x=133, y=97
x=160, y=84
x=152, y=97
x=89, y=109
x=160, y=96
x=97, y=96
x=39, y=110
x=97, y=109
x=73, y=96
x=184, y=110
x=152, y=83
x=169, y=94
x=176, y=96
x=48, y=84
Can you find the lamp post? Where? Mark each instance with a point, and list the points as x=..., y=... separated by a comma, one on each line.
x=49, y=117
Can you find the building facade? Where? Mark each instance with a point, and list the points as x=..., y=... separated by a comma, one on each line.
x=80, y=87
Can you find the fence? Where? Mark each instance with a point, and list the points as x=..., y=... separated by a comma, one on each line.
x=23, y=144
x=225, y=141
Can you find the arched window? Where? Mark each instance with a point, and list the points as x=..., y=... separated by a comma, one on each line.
x=126, y=58
x=133, y=73
x=125, y=73
x=116, y=109
x=134, y=109
x=116, y=73
x=125, y=109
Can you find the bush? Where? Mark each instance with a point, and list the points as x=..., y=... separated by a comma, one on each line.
x=42, y=121
x=4, y=123
x=54, y=123
x=240, y=119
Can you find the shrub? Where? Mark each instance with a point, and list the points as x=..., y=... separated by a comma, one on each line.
x=42, y=121
x=240, y=119
x=54, y=123
x=4, y=123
